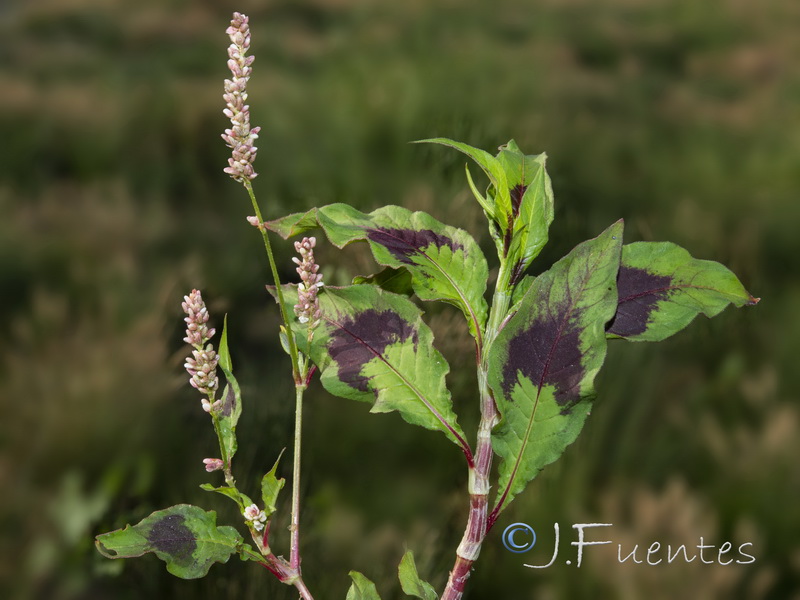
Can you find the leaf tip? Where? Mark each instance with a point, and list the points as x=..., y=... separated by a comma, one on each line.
x=752, y=301
x=107, y=552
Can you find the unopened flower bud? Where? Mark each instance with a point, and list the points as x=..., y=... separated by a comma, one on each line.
x=197, y=331
x=213, y=464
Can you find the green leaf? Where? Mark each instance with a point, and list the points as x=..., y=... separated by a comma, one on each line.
x=518, y=293
x=362, y=588
x=228, y=415
x=445, y=262
x=270, y=487
x=185, y=537
x=230, y=492
x=410, y=581
x=543, y=363
x=294, y=224
x=224, y=354
x=373, y=346
x=398, y=281
x=531, y=195
x=494, y=171
x=486, y=204
x=662, y=289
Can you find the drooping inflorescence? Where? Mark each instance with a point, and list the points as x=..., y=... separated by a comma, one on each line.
x=239, y=137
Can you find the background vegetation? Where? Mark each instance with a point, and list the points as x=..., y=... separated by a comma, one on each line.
x=680, y=116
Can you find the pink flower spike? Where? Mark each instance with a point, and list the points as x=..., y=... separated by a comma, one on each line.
x=240, y=136
x=307, y=307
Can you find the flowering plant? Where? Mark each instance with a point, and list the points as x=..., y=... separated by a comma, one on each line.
x=539, y=344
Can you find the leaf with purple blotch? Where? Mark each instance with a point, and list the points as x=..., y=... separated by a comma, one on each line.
x=662, y=289
x=373, y=346
x=543, y=363
x=185, y=537
x=532, y=205
x=445, y=262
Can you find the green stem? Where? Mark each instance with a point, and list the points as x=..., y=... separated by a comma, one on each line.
x=294, y=528
x=279, y=292
x=299, y=374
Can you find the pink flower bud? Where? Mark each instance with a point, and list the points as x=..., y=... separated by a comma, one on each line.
x=213, y=464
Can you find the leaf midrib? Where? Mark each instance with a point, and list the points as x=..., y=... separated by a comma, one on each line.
x=413, y=388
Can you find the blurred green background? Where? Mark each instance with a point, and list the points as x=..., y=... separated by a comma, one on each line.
x=680, y=116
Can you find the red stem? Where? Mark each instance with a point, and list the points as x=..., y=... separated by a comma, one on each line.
x=477, y=523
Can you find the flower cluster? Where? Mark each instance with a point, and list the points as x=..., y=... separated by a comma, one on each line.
x=202, y=365
x=256, y=516
x=307, y=307
x=239, y=137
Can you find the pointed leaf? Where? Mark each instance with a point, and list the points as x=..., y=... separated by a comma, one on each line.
x=410, y=581
x=486, y=204
x=270, y=487
x=185, y=537
x=543, y=363
x=532, y=203
x=294, y=224
x=362, y=588
x=662, y=289
x=231, y=399
x=493, y=169
x=230, y=492
x=224, y=354
x=445, y=262
x=374, y=347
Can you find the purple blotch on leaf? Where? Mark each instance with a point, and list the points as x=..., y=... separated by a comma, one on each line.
x=360, y=339
x=517, y=192
x=405, y=243
x=547, y=352
x=517, y=272
x=171, y=536
x=639, y=292
x=229, y=403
